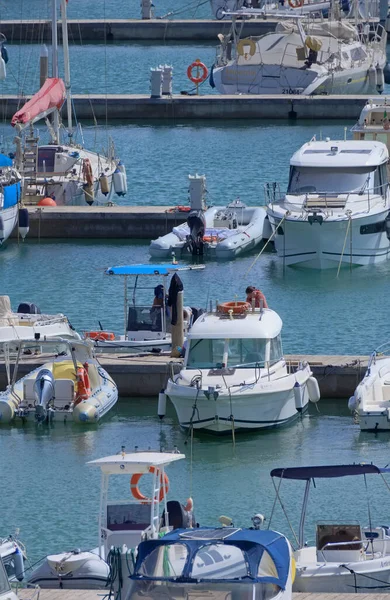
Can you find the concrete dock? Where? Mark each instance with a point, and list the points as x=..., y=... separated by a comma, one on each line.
x=102, y=222
x=133, y=107
x=114, y=30
x=145, y=375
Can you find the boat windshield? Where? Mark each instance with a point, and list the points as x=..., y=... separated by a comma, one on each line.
x=4, y=583
x=215, y=590
x=327, y=180
x=233, y=353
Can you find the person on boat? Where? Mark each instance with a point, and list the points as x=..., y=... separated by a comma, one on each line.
x=252, y=292
x=155, y=311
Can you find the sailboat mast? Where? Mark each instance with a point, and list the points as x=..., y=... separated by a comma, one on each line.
x=54, y=66
x=65, y=45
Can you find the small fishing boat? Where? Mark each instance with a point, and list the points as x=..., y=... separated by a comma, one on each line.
x=28, y=323
x=215, y=232
x=234, y=375
x=370, y=403
x=122, y=525
x=147, y=326
x=212, y=563
x=13, y=556
x=335, y=211
x=346, y=557
x=70, y=386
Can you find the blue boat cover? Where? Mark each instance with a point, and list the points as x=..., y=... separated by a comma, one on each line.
x=5, y=161
x=324, y=471
x=11, y=194
x=147, y=269
x=252, y=543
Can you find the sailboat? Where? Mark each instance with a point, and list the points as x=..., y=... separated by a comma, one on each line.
x=62, y=173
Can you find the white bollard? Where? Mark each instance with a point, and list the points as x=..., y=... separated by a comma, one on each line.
x=197, y=189
x=156, y=77
x=146, y=9
x=167, y=71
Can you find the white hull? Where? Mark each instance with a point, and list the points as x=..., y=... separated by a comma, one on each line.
x=320, y=246
x=71, y=571
x=47, y=328
x=9, y=217
x=370, y=402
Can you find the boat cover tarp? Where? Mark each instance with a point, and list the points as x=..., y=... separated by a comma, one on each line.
x=150, y=269
x=324, y=471
x=5, y=161
x=251, y=541
x=11, y=195
x=182, y=231
x=50, y=97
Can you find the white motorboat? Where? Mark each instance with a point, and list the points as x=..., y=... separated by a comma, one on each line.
x=329, y=56
x=70, y=386
x=63, y=173
x=234, y=375
x=346, y=557
x=28, y=323
x=122, y=525
x=222, y=563
x=335, y=210
x=216, y=232
x=370, y=403
x=13, y=556
x=374, y=121
x=147, y=328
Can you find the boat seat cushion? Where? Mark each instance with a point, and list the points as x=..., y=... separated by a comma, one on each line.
x=63, y=390
x=28, y=390
x=64, y=369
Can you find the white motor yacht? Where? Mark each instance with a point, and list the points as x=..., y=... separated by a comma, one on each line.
x=335, y=210
x=28, y=323
x=234, y=375
x=328, y=56
x=374, y=121
x=370, y=403
x=346, y=557
x=71, y=385
x=122, y=524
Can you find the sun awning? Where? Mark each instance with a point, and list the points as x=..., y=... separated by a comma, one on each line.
x=324, y=471
x=50, y=97
x=147, y=269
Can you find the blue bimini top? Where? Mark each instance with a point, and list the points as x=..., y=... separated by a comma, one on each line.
x=148, y=269
x=264, y=556
x=324, y=471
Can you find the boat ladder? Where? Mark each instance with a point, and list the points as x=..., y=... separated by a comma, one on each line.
x=30, y=165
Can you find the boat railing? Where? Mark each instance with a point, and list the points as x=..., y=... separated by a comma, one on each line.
x=358, y=544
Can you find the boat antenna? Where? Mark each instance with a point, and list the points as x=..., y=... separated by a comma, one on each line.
x=54, y=66
x=65, y=45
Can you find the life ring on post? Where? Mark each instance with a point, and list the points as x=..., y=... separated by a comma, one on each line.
x=83, y=385
x=199, y=66
x=87, y=171
x=295, y=3
x=237, y=308
x=164, y=486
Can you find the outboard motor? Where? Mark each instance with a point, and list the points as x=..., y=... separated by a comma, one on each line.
x=197, y=223
x=178, y=516
x=44, y=394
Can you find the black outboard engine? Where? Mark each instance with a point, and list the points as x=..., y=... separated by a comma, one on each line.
x=178, y=516
x=197, y=223
x=387, y=226
x=28, y=308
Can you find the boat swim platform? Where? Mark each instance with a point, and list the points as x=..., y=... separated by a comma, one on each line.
x=217, y=107
x=101, y=222
x=147, y=374
x=26, y=594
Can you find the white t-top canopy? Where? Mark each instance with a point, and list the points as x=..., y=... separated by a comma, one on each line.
x=258, y=325
x=134, y=462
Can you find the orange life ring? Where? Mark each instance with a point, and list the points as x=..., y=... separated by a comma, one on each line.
x=87, y=171
x=197, y=64
x=238, y=307
x=83, y=385
x=295, y=3
x=164, y=486
x=210, y=238
x=100, y=336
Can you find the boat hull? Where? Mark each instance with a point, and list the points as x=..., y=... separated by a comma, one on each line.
x=324, y=246
x=9, y=217
x=365, y=577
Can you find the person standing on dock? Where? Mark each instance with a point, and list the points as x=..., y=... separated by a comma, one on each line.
x=252, y=292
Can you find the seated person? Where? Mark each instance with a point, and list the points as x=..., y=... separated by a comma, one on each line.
x=252, y=292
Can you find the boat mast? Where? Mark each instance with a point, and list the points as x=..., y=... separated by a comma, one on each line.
x=65, y=46
x=54, y=66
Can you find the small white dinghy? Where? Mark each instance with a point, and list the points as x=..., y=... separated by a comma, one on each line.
x=370, y=403
x=123, y=524
x=216, y=232
x=234, y=375
x=71, y=386
x=346, y=557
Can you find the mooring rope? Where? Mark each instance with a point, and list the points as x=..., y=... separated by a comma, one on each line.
x=345, y=242
x=267, y=242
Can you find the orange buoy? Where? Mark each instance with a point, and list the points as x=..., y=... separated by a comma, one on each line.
x=237, y=308
x=47, y=202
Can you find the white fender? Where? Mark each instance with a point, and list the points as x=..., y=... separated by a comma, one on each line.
x=298, y=396
x=7, y=411
x=267, y=229
x=119, y=182
x=3, y=70
x=313, y=389
x=162, y=404
x=19, y=564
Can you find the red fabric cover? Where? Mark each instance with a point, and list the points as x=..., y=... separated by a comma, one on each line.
x=51, y=95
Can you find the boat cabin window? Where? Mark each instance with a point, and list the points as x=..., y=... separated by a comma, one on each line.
x=4, y=583
x=165, y=561
x=46, y=159
x=242, y=353
x=219, y=561
x=325, y=180
x=128, y=517
x=276, y=351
